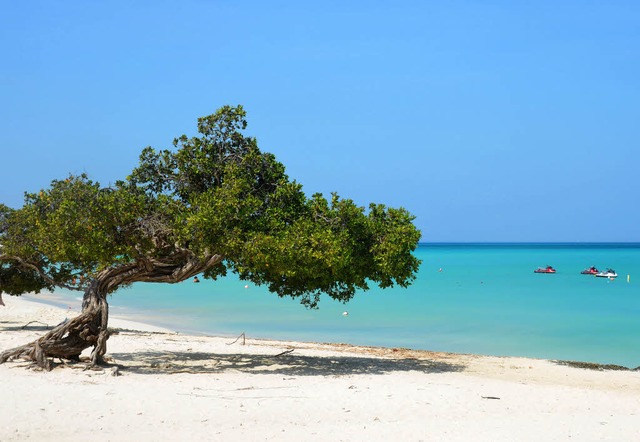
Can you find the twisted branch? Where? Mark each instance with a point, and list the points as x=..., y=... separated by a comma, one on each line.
x=27, y=265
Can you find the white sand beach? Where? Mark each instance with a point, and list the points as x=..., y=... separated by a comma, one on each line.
x=176, y=387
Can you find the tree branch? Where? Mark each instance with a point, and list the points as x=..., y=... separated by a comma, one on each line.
x=24, y=264
x=175, y=268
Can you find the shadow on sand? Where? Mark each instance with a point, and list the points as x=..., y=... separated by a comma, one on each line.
x=289, y=364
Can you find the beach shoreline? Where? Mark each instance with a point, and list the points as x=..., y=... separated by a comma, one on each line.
x=468, y=307
x=127, y=319
x=173, y=386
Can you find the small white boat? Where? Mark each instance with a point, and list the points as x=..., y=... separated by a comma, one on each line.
x=609, y=273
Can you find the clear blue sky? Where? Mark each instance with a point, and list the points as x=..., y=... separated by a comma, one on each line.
x=488, y=120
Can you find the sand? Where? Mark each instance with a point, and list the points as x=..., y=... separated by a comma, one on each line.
x=177, y=387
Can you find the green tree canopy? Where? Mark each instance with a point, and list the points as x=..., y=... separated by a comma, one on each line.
x=213, y=203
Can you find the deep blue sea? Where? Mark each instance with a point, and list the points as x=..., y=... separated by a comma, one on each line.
x=467, y=298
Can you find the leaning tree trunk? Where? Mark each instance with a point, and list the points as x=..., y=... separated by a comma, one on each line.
x=89, y=329
x=69, y=339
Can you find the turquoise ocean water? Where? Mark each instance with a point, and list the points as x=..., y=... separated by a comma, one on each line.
x=468, y=298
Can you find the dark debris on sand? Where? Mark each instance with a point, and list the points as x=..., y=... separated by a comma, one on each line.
x=594, y=366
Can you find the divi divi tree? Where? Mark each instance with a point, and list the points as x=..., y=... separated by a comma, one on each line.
x=212, y=204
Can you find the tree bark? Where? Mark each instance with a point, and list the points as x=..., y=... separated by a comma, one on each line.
x=89, y=329
x=69, y=339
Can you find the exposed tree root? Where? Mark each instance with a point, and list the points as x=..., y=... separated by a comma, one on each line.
x=65, y=341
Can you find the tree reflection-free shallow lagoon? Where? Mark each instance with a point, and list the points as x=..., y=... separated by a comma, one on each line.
x=467, y=298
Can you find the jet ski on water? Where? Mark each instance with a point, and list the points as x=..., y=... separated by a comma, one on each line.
x=609, y=273
x=547, y=269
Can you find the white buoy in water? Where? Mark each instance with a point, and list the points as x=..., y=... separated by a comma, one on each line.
x=345, y=313
x=246, y=286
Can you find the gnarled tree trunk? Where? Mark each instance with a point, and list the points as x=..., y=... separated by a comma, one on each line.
x=69, y=339
x=89, y=329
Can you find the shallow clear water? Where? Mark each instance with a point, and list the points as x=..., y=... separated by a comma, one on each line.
x=468, y=298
